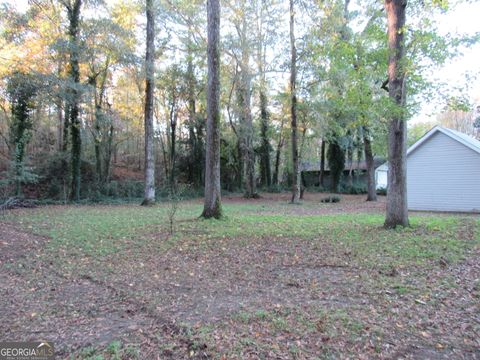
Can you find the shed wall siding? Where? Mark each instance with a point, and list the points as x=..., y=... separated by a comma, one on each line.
x=381, y=178
x=443, y=175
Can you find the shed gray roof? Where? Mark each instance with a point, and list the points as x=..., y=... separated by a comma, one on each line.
x=462, y=138
x=469, y=141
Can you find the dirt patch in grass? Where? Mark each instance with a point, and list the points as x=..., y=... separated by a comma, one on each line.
x=15, y=244
x=40, y=302
x=205, y=282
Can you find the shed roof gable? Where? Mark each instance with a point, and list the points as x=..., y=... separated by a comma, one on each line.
x=462, y=138
x=455, y=135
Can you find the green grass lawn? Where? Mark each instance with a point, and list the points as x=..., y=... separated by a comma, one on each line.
x=366, y=269
x=99, y=231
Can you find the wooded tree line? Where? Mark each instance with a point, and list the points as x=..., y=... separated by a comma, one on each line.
x=234, y=94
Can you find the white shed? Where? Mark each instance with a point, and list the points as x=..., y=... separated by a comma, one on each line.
x=443, y=172
x=381, y=176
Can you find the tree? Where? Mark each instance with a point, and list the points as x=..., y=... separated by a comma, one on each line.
x=336, y=162
x=337, y=72
x=189, y=19
x=195, y=158
x=293, y=108
x=265, y=33
x=21, y=90
x=371, y=188
x=212, y=205
x=149, y=170
x=397, y=209
x=73, y=100
x=460, y=115
x=416, y=131
x=278, y=151
x=173, y=94
x=240, y=51
x=107, y=45
x=321, y=179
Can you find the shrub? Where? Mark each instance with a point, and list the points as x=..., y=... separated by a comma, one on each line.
x=17, y=176
x=382, y=191
x=331, y=199
x=53, y=170
x=131, y=189
x=354, y=189
x=275, y=188
x=112, y=188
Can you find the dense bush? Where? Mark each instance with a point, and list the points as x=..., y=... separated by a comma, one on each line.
x=354, y=189
x=53, y=172
x=382, y=191
x=54, y=181
x=125, y=189
x=331, y=199
x=277, y=188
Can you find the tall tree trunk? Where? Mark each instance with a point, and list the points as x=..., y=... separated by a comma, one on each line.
x=239, y=164
x=149, y=196
x=108, y=154
x=96, y=128
x=66, y=121
x=302, y=177
x=322, y=164
x=20, y=128
x=372, y=193
x=173, y=146
x=247, y=135
x=73, y=12
x=293, y=94
x=265, y=167
x=97, y=142
x=59, y=106
x=139, y=152
x=360, y=150
x=99, y=121
x=66, y=126
x=200, y=149
x=212, y=205
x=350, y=165
x=276, y=171
x=193, y=176
x=277, y=164
x=397, y=208
x=246, y=123
x=336, y=163
x=166, y=168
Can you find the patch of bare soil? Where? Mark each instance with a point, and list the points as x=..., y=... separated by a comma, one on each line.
x=191, y=283
x=443, y=321
x=15, y=244
x=38, y=302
